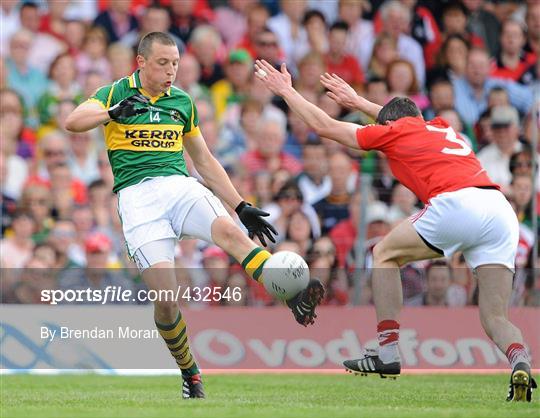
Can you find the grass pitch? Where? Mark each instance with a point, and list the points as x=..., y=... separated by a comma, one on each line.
x=261, y=395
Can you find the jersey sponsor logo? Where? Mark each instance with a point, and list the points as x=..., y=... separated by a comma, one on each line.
x=144, y=137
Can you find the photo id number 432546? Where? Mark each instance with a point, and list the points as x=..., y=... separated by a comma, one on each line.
x=211, y=294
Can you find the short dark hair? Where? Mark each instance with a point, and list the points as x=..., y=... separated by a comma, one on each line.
x=339, y=25
x=397, y=108
x=310, y=14
x=145, y=46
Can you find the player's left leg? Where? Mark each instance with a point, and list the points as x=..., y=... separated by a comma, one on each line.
x=155, y=260
x=495, y=289
x=402, y=245
x=208, y=220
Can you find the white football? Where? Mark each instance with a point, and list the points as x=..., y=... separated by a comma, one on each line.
x=285, y=274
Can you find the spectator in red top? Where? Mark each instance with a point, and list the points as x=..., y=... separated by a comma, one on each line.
x=338, y=61
x=117, y=20
x=268, y=154
x=532, y=19
x=401, y=81
x=267, y=47
x=187, y=15
x=451, y=59
x=343, y=235
x=54, y=23
x=512, y=60
x=257, y=15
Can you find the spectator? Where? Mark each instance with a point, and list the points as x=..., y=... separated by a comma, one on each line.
x=62, y=86
x=441, y=97
x=495, y=157
x=454, y=22
x=498, y=96
x=396, y=18
x=44, y=47
x=299, y=231
x=33, y=279
x=532, y=20
x=17, y=249
x=99, y=199
x=62, y=239
x=9, y=22
x=314, y=181
x=343, y=235
x=116, y=20
x=45, y=253
x=96, y=274
x=216, y=266
x=155, y=18
x=121, y=58
x=22, y=77
x=521, y=190
x=185, y=19
x=83, y=159
x=472, y=89
x=75, y=31
x=403, y=204
x=335, y=207
x=338, y=61
x=401, y=81
x=205, y=43
x=93, y=56
x=350, y=12
x=483, y=24
x=268, y=154
x=384, y=52
x=267, y=47
x=257, y=15
x=314, y=23
x=231, y=20
x=455, y=122
x=451, y=60
x=235, y=87
x=37, y=201
x=288, y=200
x=310, y=68
x=53, y=22
x=292, y=36
x=512, y=61
x=188, y=78
x=438, y=280
x=298, y=136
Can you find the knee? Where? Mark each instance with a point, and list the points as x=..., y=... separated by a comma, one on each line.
x=381, y=254
x=225, y=233
x=166, y=311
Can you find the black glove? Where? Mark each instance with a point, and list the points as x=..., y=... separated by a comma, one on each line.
x=126, y=108
x=252, y=219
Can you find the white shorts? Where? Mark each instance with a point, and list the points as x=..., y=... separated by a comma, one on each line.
x=479, y=222
x=161, y=207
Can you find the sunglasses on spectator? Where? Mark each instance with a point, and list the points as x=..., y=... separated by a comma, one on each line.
x=38, y=201
x=53, y=153
x=527, y=164
x=320, y=252
x=267, y=43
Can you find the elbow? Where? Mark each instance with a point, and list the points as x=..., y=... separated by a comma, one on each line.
x=70, y=124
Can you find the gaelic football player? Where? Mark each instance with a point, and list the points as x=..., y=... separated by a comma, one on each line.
x=148, y=123
x=464, y=211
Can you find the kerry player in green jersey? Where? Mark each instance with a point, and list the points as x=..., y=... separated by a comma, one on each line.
x=148, y=123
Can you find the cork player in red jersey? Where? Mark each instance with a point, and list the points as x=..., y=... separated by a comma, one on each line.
x=464, y=211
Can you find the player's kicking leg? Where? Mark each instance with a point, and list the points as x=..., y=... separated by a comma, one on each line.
x=495, y=289
x=208, y=220
x=402, y=245
x=156, y=261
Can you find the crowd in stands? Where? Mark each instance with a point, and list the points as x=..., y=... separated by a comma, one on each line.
x=474, y=63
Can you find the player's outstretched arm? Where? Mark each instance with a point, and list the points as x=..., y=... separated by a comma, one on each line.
x=346, y=96
x=280, y=84
x=91, y=114
x=218, y=181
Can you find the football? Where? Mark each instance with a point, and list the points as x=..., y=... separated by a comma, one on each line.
x=285, y=274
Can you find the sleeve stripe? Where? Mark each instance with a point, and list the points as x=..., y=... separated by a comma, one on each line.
x=110, y=96
x=194, y=132
x=94, y=100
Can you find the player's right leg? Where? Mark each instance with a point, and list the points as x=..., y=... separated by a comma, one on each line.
x=208, y=220
x=402, y=245
x=495, y=289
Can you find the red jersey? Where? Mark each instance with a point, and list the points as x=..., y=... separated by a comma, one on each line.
x=429, y=158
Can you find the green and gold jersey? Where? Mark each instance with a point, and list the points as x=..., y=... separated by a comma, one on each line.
x=150, y=144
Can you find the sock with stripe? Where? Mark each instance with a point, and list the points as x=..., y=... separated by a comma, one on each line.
x=388, y=337
x=175, y=336
x=516, y=353
x=254, y=262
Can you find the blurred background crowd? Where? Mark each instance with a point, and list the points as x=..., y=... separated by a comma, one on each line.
x=474, y=63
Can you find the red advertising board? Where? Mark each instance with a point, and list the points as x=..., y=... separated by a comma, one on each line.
x=430, y=338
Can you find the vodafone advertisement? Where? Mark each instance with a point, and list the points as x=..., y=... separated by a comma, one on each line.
x=120, y=338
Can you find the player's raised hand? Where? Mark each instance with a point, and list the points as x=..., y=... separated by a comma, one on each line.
x=340, y=91
x=126, y=108
x=277, y=82
x=252, y=218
